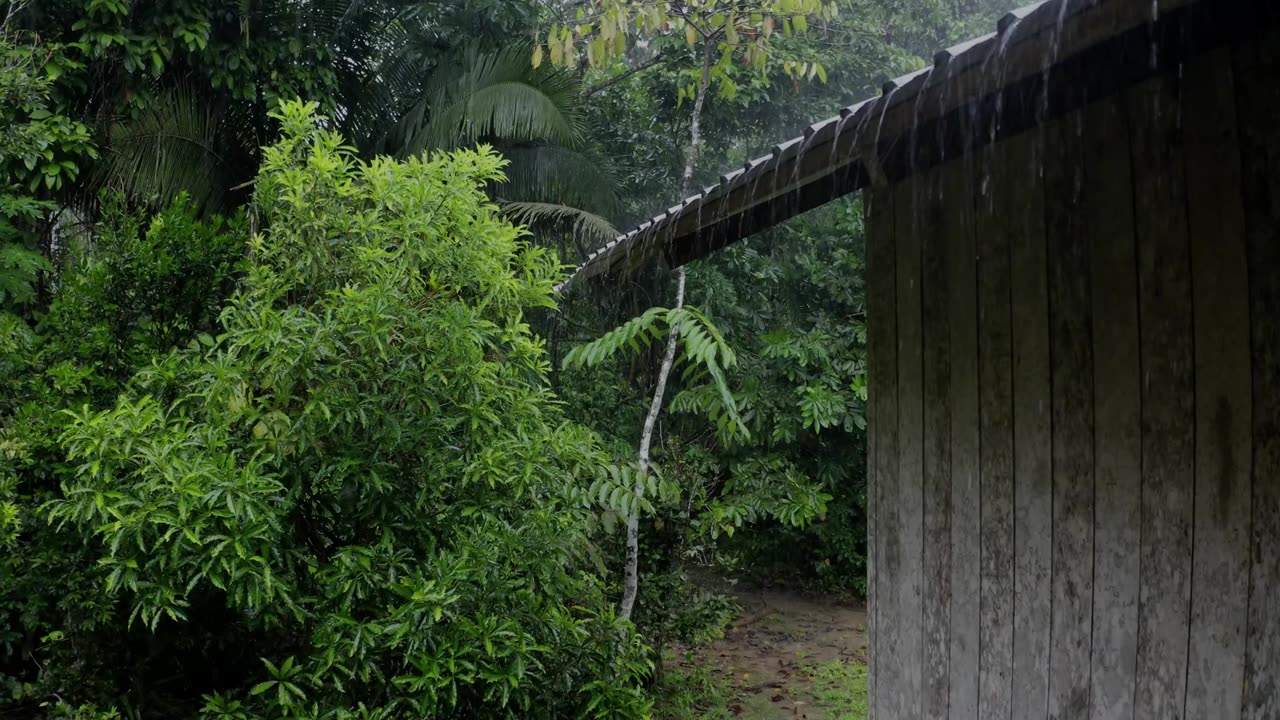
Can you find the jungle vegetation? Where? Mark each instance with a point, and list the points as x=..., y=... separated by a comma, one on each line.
x=293, y=423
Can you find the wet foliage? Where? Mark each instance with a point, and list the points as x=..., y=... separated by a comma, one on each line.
x=293, y=423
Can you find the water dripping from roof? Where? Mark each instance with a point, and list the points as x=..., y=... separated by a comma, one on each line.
x=1050, y=57
x=699, y=236
x=863, y=117
x=1006, y=28
x=750, y=195
x=722, y=188
x=835, y=144
x=1007, y=25
x=885, y=101
x=793, y=197
x=942, y=61
x=1155, y=42
x=913, y=147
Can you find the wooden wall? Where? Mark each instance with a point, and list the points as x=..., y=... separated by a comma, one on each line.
x=1075, y=413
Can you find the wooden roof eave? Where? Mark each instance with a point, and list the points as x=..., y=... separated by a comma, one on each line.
x=849, y=150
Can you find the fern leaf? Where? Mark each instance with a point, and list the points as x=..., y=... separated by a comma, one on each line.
x=632, y=332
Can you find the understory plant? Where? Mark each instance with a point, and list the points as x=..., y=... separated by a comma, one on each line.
x=793, y=303
x=358, y=498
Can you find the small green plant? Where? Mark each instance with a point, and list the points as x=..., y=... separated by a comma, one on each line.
x=692, y=691
x=840, y=689
x=705, y=353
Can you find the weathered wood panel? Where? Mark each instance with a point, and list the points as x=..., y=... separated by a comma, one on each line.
x=1108, y=224
x=995, y=423
x=908, y=228
x=1219, y=584
x=882, y=402
x=937, y=452
x=1085, y=414
x=874, y=344
x=1168, y=412
x=1259, y=114
x=1033, y=480
x=1072, y=416
x=965, y=499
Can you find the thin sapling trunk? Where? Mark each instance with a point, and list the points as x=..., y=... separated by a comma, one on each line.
x=632, y=581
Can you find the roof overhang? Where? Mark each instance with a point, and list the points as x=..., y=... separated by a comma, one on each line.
x=1042, y=61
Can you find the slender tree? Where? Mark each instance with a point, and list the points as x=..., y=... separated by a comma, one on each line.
x=727, y=34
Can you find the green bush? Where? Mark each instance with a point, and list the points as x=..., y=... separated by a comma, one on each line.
x=140, y=288
x=354, y=500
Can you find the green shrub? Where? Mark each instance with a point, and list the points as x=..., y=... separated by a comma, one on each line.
x=140, y=288
x=147, y=286
x=353, y=500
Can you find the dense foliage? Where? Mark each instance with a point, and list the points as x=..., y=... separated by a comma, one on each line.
x=280, y=436
x=361, y=480
x=785, y=504
x=793, y=300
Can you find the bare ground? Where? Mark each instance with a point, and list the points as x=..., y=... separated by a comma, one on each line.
x=769, y=654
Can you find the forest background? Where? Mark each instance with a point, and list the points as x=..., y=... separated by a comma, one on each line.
x=286, y=423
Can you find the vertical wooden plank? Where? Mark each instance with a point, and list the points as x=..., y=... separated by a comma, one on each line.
x=937, y=453
x=882, y=397
x=1033, y=481
x=1071, y=371
x=873, y=485
x=965, y=508
x=1108, y=223
x=1219, y=581
x=1259, y=113
x=910, y=499
x=1168, y=411
x=995, y=423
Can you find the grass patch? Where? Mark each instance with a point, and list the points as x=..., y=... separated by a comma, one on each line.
x=692, y=693
x=840, y=689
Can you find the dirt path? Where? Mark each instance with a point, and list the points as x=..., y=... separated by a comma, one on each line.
x=789, y=656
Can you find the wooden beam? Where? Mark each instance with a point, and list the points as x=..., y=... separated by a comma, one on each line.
x=882, y=400
x=1259, y=114
x=1033, y=480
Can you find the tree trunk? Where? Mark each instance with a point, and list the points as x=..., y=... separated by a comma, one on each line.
x=646, y=441
x=632, y=581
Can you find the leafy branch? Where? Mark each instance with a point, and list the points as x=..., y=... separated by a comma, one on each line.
x=703, y=348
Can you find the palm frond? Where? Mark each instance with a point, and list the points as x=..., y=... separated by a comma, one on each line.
x=379, y=91
x=178, y=143
x=587, y=229
x=494, y=96
x=559, y=175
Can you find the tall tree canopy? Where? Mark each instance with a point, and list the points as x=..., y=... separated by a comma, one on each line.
x=175, y=96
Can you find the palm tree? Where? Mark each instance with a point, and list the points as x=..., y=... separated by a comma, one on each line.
x=557, y=182
x=399, y=83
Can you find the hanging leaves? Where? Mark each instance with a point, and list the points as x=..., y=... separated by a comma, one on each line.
x=742, y=33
